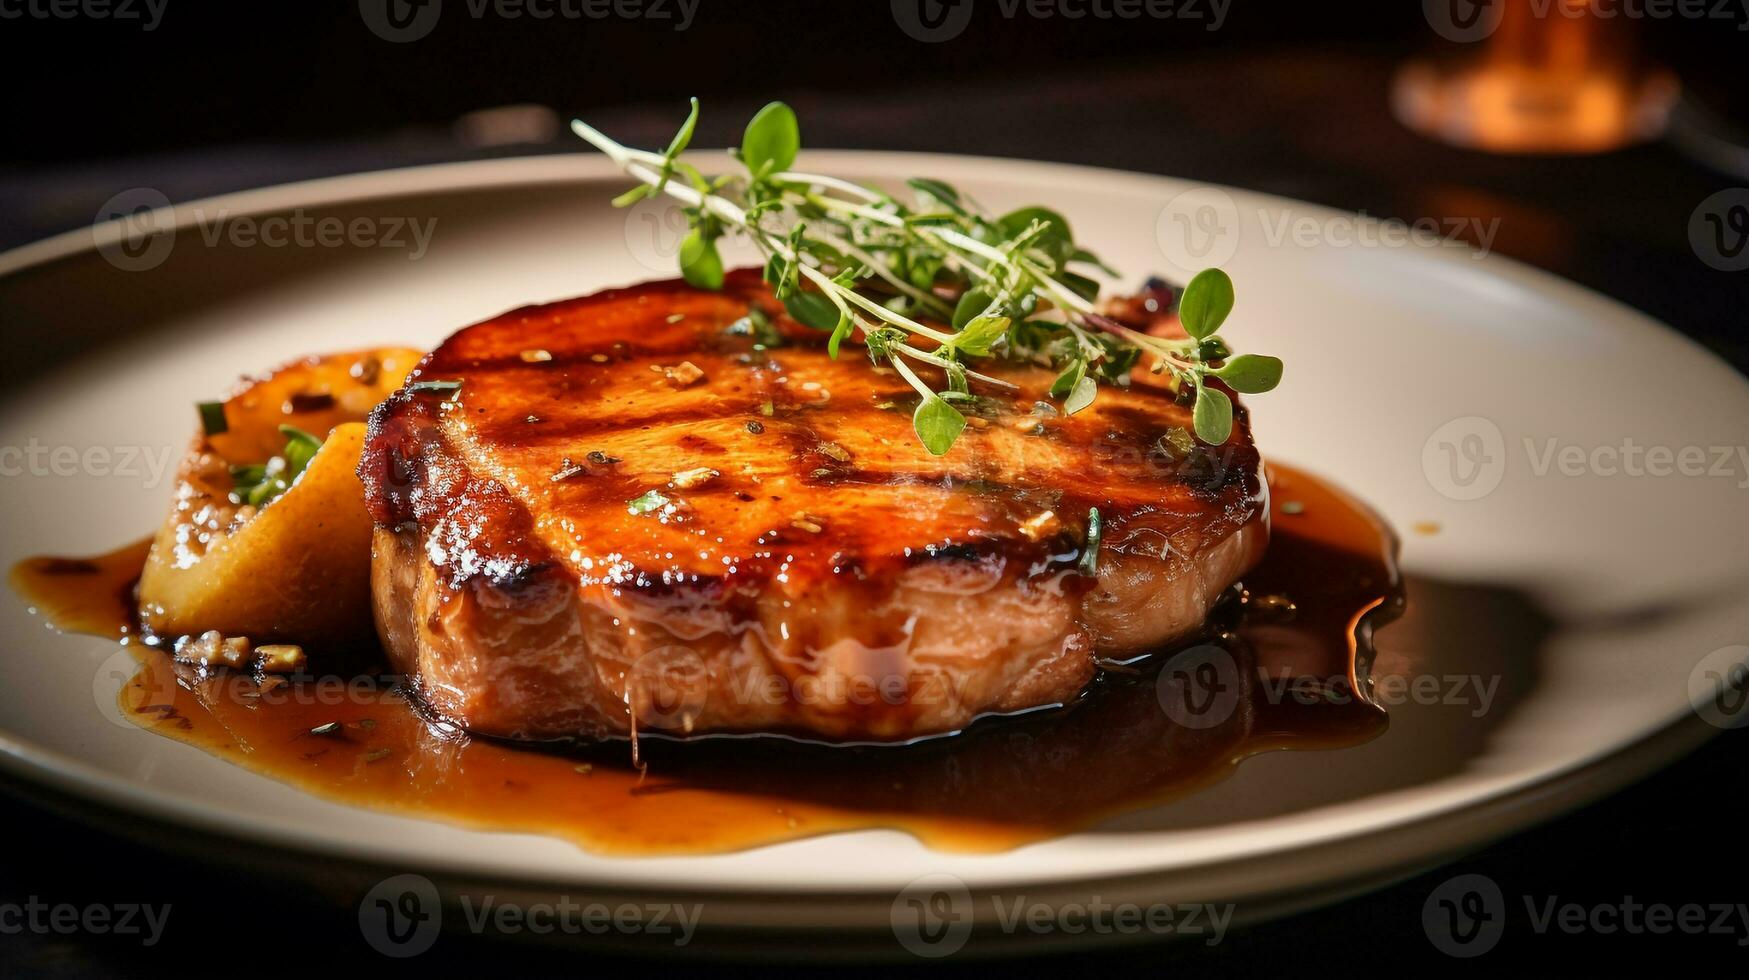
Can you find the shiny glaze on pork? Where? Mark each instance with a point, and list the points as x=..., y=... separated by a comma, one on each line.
x=807, y=566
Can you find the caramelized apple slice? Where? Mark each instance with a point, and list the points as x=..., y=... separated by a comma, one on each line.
x=268, y=537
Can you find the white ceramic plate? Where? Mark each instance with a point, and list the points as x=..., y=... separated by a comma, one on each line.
x=1418, y=376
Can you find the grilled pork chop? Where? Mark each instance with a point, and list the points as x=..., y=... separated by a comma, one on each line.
x=641, y=510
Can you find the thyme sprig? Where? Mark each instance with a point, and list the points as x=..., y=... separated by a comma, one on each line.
x=854, y=260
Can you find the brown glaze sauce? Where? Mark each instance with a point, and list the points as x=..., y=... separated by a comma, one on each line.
x=1280, y=659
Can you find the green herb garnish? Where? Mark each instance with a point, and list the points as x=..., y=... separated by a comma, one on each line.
x=212, y=418
x=262, y=484
x=440, y=385
x=1090, y=551
x=854, y=260
x=648, y=502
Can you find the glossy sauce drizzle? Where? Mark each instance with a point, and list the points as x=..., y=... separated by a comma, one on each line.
x=1276, y=671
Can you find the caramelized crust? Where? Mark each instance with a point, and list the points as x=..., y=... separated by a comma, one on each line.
x=795, y=559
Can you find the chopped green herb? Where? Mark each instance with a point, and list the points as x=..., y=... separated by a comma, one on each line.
x=260, y=485
x=1090, y=551
x=212, y=418
x=649, y=500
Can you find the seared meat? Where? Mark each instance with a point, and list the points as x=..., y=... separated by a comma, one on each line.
x=634, y=514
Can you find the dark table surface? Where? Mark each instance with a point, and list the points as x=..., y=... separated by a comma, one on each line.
x=1314, y=128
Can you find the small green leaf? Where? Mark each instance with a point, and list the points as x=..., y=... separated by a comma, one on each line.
x=1082, y=396
x=771, y=140
x=1067, y=381
x=1054, y=240
x=1212, y=416
x=1251, y=374
x=1089, y=565
x=700, y=265
x=1015, y=223
x=678, y=143
x=812, y=310
x=1087, y=289
x=1207, y=301
x=842, y=330
x=212, y=418
x=980, y=335
x=649, y=500
x=938, y=192
x=1082, y=255
x=633, y=196
x=938, y=425
x=971, y=303
x=300, y=448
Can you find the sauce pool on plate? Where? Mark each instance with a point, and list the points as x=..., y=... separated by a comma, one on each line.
x=1278, y=667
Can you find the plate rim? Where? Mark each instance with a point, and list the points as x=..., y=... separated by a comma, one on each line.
x=25, y=759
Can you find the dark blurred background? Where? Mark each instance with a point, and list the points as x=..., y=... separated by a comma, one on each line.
x=273, y=72
x=1301, y=99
